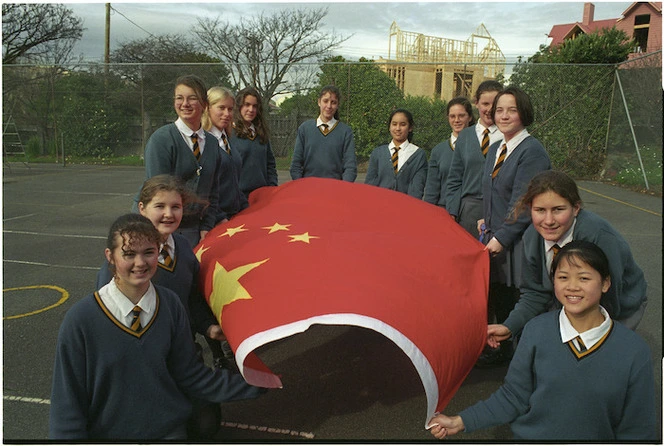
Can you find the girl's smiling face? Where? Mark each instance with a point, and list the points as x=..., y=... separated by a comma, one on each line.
x=578, y=287
x=399, y=128
x=552, y=215
x=164, y=211
x=134, y=261
x=328, y=104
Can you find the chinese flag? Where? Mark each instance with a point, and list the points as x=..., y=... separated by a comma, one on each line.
x=323, y=251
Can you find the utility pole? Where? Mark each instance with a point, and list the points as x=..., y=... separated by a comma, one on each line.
x=107, y=37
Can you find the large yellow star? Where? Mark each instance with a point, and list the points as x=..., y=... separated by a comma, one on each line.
x=200, y=252
x=226, y=287
x=230, y=232
x=302, y=237
x=277, y=227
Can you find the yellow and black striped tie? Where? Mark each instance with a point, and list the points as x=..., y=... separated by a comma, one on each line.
x=395, y=159
x=582, y=346
x=136, y=318
x=501, y=160
x=168, y=260
x=195, y=148
x=324, y=128
x=224, y=140
x=485, y=142
x=555, y=249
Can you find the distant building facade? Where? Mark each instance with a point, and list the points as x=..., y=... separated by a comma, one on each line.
x=438, y=67
x=641, y=21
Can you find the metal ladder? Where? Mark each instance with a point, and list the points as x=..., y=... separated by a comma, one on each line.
x=11, y=141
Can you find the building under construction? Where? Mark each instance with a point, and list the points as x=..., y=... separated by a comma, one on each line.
x=439, y=67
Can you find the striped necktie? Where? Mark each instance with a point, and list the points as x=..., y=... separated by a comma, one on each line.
x=500, y=161
x=395, y=159
x=224, y=140
x=195, y=148
x=136, y=318
x=555, y=249
x=582, y=346
x=167, y=259
x=485, y=142
x=324, y=128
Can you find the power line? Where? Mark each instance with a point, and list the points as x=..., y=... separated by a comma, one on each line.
x=133, y=23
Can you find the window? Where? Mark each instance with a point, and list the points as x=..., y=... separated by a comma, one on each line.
x=641, y=29
x=439, y=82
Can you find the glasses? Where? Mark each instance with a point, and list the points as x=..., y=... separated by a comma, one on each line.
x=189, y=99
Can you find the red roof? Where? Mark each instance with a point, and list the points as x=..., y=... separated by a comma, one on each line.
x=559, y=33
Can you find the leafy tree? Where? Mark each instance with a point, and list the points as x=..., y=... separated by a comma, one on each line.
x=571, y=119
x=431, y=124
x=34, y=32
x=270, y=52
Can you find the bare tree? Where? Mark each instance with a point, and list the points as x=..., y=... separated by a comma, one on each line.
x=32, y=31
x=269, y=52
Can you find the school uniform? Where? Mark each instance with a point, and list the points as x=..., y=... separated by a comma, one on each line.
x=411, y=174
x=167, y=152
x=181, y=277
x=259, y=166
x=625, y=297
x=113, y=383
x=554, y=391
x=526, y=157
x=322, y=155
x=463, y=195
x=437, y=172
x=231, y=198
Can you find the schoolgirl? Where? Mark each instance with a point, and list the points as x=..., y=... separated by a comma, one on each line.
x=325, y=147
x=511, y=163
x=125, y=365
x=554, y=204
x=399, y=165
x=463, y=194
x=576, y=376
x=184, y=149
x=251, y=139
x=460, y=116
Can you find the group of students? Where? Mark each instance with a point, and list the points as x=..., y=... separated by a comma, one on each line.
x=127, y=366
x=575, y=373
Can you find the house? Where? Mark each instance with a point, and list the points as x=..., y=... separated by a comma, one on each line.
x=641, y=21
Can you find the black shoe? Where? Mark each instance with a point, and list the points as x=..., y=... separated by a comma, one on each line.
x=495, y=357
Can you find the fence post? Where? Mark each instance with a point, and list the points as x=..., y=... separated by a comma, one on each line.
x=631, y=127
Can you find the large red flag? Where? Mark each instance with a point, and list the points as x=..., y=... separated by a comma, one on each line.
x=322, y=251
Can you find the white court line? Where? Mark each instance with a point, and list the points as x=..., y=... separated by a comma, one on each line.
x=23, y=262
x=54, y=235
x=19, y=217
x=271, y=430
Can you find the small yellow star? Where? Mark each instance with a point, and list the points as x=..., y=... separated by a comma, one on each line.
x=200, y=252
x=277, y=227
x=230, y=232
x=226, y=287
x=302, y=237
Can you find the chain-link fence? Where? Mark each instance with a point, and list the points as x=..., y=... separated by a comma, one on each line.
x=595, y=120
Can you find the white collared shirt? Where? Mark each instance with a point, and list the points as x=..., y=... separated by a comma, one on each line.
x=453, y=140
x=590, y=337
x=121, y=307
x=565, y=239
x=512, y=144
x=406, y=149
x=329, y=123
x=218, y=134
x=494, y=133
x=169, y=244
x=186, y=133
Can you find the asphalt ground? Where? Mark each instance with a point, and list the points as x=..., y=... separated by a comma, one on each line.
x=340, y=383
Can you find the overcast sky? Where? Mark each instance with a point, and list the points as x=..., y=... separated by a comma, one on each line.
x=518, y=28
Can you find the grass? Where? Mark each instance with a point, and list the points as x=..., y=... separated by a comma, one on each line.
x=624, y=169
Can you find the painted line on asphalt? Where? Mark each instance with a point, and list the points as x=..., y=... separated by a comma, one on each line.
x=271, y=430
x=619, y=201
x=25, y=262
x=98, y=237
x=25, y=399
x=242, y=426
x=18, y=218
x=64, y=295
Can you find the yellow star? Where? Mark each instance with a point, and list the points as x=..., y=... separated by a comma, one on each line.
x=200, y=252
x=276, y=227
x=226, y=287
x=230, y=232
x=302, y=237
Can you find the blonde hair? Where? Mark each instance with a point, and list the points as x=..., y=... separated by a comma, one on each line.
x=214, y=95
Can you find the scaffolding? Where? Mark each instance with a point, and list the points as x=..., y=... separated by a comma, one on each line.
x=428, y=65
